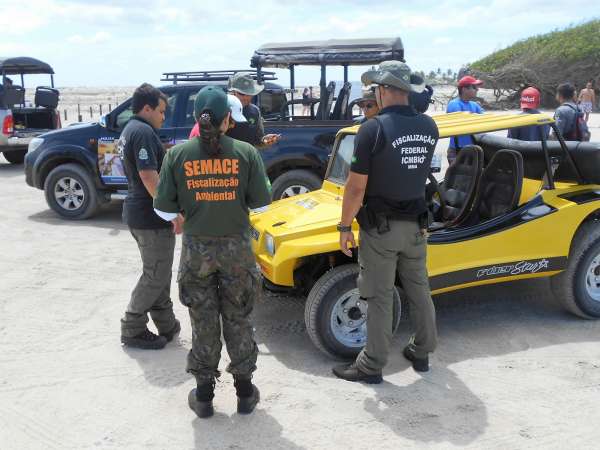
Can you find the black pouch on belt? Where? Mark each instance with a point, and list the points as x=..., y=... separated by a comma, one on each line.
x=365, y=219
x=382, y=222
x=424, y=220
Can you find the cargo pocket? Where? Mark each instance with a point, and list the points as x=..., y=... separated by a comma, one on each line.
x=252, y=291
x=184, y=268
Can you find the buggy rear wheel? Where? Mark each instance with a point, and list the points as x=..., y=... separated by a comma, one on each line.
x=578, y=286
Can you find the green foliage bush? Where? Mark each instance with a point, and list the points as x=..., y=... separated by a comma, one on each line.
x=570, y=45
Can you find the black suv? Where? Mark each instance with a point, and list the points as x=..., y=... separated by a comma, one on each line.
x=78, y=167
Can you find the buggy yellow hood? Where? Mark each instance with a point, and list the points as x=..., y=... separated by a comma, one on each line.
x=321, y=208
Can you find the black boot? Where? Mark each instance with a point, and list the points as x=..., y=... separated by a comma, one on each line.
x=351, y=372
x=419, y=364
x=169, y=335
x=248, y=395
x=146, y=340
x=200, y=399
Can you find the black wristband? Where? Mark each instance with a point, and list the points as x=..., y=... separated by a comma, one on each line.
x=344, y=228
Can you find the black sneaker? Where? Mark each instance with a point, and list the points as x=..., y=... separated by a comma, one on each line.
x=350, y=372
x=203, y=409
x=146, y=340
x=419, y=364
x=245, y=405
x=171, y=334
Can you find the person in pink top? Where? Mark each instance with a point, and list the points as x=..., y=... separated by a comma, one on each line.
x=236, y=114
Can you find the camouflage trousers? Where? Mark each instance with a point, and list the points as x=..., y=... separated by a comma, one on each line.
x=218, y=281
x=152, y=293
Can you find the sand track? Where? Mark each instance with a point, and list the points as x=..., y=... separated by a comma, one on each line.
x=512, y=370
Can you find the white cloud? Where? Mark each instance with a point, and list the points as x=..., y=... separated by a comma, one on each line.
x=442, y=40
x=142, y=38
x=17, y=21
x=98, y=38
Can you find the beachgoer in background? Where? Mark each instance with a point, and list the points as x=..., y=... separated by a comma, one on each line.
x=530, y=101
x=467, y=92
x=587, y=100
x=306, y=100
x=568, y=115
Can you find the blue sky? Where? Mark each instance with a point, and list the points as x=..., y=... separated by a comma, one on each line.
x=112, y=43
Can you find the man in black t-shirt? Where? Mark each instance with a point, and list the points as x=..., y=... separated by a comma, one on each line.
x=142, y=154
x=389, y=168
x=244, y=87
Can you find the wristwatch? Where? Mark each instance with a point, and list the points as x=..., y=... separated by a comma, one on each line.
x=344, y=228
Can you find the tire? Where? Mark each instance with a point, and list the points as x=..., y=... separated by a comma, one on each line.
x=295, y=182
x=327, y=320
x=70, y=192
x=15, y=157
x=577, y=288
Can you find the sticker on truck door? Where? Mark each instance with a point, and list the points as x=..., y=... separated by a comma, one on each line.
x=110, y=164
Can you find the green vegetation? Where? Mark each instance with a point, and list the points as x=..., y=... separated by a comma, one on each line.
x=543, y=61
x=562, y=46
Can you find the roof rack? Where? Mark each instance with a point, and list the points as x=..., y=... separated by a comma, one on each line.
x=213, y=75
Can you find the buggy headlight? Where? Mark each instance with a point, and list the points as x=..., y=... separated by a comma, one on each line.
x=270, y=244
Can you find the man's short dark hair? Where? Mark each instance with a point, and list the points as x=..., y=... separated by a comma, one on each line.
x=566, y=90
x=146, y=94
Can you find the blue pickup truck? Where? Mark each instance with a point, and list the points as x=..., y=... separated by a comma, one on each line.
x=79, y=169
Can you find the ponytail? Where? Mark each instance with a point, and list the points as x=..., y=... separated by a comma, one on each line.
x=209, y=134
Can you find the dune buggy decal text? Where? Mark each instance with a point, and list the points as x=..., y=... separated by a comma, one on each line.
x=514, y=269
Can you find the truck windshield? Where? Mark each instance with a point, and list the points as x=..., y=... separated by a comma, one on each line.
x=342, y=155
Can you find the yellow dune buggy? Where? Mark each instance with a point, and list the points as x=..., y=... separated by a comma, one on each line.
x=505, y=210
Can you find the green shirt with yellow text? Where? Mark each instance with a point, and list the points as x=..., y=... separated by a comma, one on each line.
x=214, y=193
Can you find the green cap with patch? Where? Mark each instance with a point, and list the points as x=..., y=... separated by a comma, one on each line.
x=214, y=100
x=393, y=73
x=244, y=82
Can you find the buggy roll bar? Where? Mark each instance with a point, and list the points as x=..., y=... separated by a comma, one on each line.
x=564, y=148
x=333, y=52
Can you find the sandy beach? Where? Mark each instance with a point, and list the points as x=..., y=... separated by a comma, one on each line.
x=513, y=370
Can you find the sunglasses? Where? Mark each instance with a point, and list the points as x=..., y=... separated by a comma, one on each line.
x=368, y=105
x=473, y=87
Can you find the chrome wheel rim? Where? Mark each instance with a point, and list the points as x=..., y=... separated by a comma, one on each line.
x=592, y=279
x=293, y=190
x=349, y=319
x=69, y=193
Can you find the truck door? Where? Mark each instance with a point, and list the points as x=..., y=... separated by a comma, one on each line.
x=110, y=166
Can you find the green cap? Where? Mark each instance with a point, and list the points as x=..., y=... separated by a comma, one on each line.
x=394, y=73
x=214, y=100
x=244, y=83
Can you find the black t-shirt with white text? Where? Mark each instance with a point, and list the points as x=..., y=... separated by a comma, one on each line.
x=395, y=149
x=140, y=149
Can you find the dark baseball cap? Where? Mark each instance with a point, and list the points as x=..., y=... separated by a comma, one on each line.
x=211, y=99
